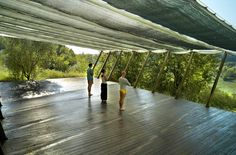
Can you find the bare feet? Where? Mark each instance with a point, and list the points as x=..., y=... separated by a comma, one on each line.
x=122, y=109
x=104, y=101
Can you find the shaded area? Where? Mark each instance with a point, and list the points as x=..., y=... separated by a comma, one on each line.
x=72, y=123
x=27, y=89
x=183, y=16
x=98, y=25
x=10, y=91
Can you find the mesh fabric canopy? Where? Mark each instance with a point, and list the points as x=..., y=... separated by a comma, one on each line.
x=184, y=16
x=160, y=25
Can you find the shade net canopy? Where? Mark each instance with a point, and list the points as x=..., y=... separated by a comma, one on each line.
x=189, y=17
x=140, y=25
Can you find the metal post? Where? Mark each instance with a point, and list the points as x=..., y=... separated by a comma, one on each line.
x=130, y=58
x=216, y=80
x=113, y=68
x=104, y=64
x=157, y=81
x=95, y=64
x=0, y=101
x=184, y=77
x=1, y=116
x=1, y=151
x=141, y=71
x=3, y=136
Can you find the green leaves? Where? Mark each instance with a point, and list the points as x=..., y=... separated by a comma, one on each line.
x=23, y=56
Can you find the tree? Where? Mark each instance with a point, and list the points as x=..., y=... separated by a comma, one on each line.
x=23, y=56
x=60, y=59
x=229, y=74
x=200, y=76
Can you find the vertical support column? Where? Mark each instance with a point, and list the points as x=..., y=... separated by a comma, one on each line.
x=130, y=58
x=216, y=80
x=157, y=81
x=3, y=136
x=97, y=60
x=104, y=64
x=0, y=101
x=141, y=71
x=184, y=77
x=1, y=116
x=113, y=68
x=1, y=151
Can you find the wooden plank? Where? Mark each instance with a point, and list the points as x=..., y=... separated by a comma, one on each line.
x=71, y=123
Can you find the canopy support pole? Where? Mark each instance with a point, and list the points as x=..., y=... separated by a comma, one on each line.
x=113, y=68
x=216, y=80
x=0, y=101
x=3, y=136
x=158, y=78
x=184, y=77
x=130, y=58
x=104, y=64
x=141, y=71
x=1, y=116
x=95, y=64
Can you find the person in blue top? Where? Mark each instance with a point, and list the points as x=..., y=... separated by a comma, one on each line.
x=90, y=78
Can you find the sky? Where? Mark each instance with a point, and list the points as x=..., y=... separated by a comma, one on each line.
x=81, y=50
x=224, y=8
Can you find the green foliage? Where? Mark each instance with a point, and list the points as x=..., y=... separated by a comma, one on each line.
x=109, y=64
x=28, y=58
x=227, y=86
x=60, y=59
x=78, y=69
x=229, y=73
x=196, y=88
x=220, y=99
x=1, y=44
x=4, y=75
x=201, y=72
x=82, y=63
x=49, y=74
x=23, y=56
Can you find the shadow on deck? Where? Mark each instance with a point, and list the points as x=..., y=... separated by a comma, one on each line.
x=68, y=122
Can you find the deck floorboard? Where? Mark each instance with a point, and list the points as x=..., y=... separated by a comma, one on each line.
x=68, y=122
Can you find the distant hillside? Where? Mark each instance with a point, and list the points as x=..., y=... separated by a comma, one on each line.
x=231, y=58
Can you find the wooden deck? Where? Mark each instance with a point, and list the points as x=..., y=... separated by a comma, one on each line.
x=70, y=123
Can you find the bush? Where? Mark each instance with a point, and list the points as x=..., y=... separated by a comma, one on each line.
x=47, y=74
x=220, y=99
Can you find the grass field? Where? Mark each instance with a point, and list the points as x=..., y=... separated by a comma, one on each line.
x=227, y=86
x=4, y=74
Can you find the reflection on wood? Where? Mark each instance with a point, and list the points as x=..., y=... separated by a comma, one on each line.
x=71, y=123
